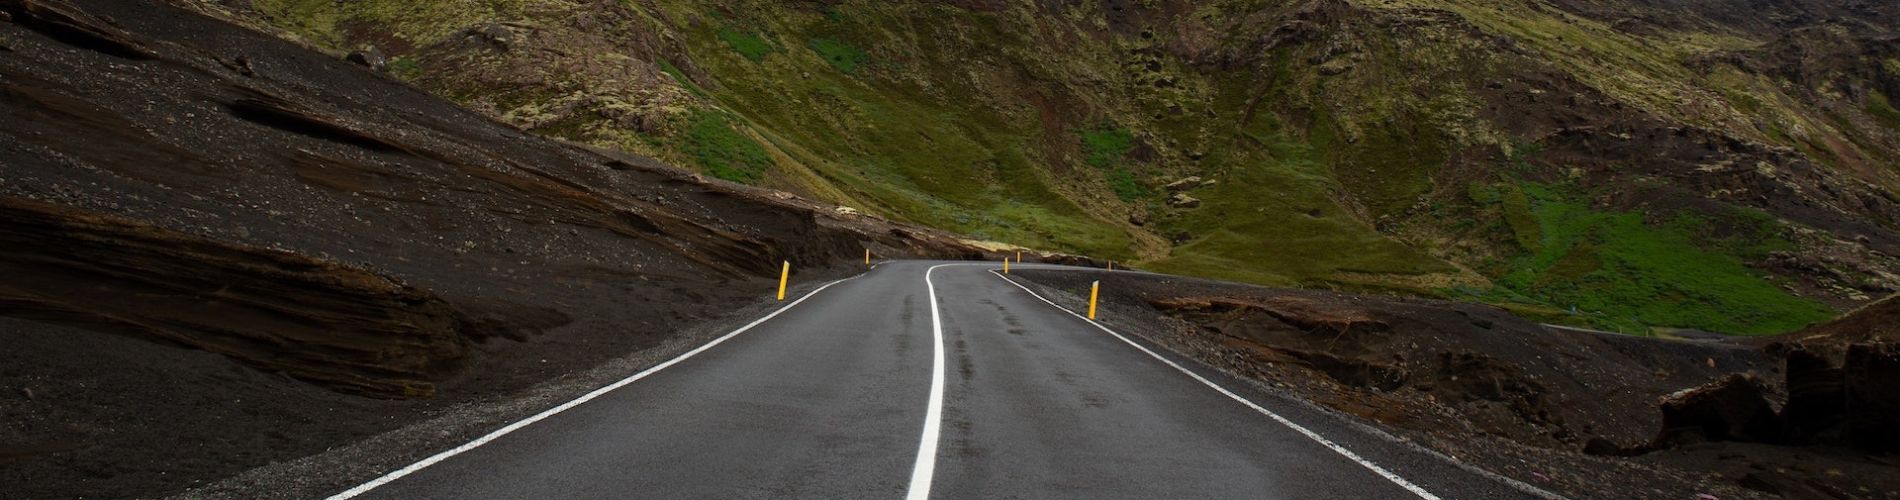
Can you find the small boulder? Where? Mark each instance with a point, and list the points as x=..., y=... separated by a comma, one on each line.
x=497, y=36
x=371, y=58
x=1182, y=200
x=1185, y=184
x=239, y=64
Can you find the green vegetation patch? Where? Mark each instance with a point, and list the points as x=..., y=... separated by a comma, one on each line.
x=1517, y=214
x=840, y=54
x=1628, y=273
x=405, y=68
x=746, y=43
x=1123, y=182
x=1105, y=146
x=722, y=151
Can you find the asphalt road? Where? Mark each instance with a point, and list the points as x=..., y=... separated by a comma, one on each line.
x=833, y=398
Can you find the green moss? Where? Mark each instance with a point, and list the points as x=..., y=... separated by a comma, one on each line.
x=722, y=151
x=747, y=44
x=840, y=54
x=405, y=68
x=1123, y=182
x=1517, y=214
x=1105, y=146
x=1628, y=274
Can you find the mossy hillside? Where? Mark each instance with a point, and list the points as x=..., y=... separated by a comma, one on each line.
x=940, y=140
x=880, y=113
x=914, y=157
x=417, y=23
x=1631, y=271
x=747, y=44
x=723, y=151
x=1339, y=156
x=1273, y=220
x=1687, y=75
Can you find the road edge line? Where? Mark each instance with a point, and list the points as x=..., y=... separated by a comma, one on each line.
x=1316, y=437
x=925, y=468
x=517, y=425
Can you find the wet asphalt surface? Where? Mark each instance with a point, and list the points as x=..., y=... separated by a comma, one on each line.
x=828, y=400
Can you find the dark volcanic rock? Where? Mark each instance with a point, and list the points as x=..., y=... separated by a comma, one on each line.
x=66, y=23
x=277, y=311
x=215, y=237
x=1735, y=408
x=1871, y=377
x=1816, y=397
x=371, y=58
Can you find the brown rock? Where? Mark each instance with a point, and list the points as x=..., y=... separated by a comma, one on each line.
x=1182, y=200
x=1734, y=408
x=1185, y=183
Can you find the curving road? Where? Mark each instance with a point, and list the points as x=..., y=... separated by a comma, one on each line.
x=869, y=388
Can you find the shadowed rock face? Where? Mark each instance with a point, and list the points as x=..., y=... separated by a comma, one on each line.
x=277, y=311
x=1849, y=403
x=1735, y=408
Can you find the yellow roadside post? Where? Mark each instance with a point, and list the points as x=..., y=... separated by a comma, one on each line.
x=867, y=256
x=1006, y=265
x=1111, y=265
x=782, y=274
x=1094, y=290
x=1019, y=256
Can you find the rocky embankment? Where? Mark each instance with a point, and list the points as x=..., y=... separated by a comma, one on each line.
x=1579, y=413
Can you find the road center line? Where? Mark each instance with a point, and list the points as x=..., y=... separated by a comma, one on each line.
x=432, y=460
x=1400, y=481
x=926, y=467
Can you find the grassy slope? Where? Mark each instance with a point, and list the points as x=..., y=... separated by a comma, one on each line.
x=1025, y=127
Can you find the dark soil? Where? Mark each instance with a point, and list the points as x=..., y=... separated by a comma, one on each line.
x=1575, y=412
x=223, y=250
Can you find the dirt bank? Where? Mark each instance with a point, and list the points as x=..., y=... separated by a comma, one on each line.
x=1579, y=413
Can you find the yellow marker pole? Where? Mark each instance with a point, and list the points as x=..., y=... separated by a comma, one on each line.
x=867, y=256
x=1005, y=265
x=782, y=274
x=1111, y=265
x=1019, y=256
x=1094, y=290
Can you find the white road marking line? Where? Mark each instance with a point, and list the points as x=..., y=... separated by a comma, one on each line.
x=926, y=467
x=412, y=468
x=1415, y=489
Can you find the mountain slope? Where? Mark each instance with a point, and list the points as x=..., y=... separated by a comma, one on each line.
x=222, y=250
x=1624, y=164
